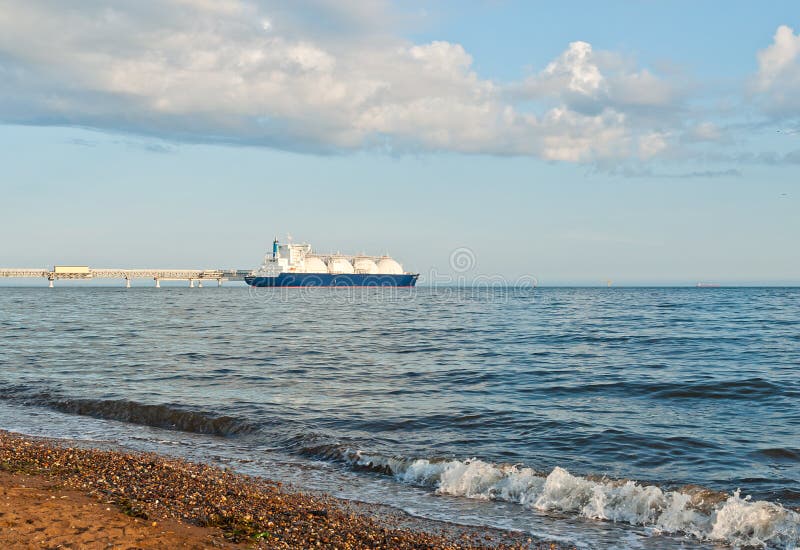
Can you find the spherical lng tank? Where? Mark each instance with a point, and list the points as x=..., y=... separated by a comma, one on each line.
x=340, y=265
x=365, y=265
x=315, y=265
x=388, y=266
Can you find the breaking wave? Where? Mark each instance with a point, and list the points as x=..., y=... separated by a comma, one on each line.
x=690, y=511
x=157, y=416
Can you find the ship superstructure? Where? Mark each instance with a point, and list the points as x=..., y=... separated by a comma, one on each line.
x=298, y=265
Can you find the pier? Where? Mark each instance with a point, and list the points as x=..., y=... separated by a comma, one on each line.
x=85, y=273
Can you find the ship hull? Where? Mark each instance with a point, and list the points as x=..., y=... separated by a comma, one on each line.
x=330, y=280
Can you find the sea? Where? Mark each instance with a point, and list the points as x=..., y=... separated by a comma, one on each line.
x=597, y=417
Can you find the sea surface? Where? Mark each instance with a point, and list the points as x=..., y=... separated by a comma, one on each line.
x=603, y=417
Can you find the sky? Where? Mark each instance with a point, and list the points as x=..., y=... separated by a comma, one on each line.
x=572, y=142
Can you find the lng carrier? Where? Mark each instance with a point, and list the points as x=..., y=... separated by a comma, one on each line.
x=293, y=265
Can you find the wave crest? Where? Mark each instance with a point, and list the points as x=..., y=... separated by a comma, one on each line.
x=157, y=416
x=164, y=416
x=697, y=512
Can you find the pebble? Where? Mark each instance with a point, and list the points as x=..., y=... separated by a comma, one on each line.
x=247, y=509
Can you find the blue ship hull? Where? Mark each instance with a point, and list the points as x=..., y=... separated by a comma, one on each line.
x=327, y=279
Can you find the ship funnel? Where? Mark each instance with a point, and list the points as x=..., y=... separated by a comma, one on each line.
x=275, y=248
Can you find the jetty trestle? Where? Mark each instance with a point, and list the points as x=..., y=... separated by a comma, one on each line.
x=158, y=275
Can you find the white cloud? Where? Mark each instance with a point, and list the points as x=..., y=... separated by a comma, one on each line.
x=589, y=81
x=778, y=78
x=240, y=72
x=574, y=71
x=705, y=131
x=652, y=144
x=779, y=57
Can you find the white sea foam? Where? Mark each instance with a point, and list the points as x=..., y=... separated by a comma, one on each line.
x=735, y=520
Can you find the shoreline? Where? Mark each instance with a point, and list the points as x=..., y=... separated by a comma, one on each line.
x=199, y=505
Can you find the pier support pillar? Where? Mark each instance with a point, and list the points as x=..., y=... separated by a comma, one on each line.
x=199, y=284
x=127, y=283
x=219, y=282
x=191, y=283
x=51, y=283
x=158, y=283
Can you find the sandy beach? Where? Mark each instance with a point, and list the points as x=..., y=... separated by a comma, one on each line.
x=36, y=512
x=57, y=495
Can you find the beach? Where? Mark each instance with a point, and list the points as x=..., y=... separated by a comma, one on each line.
x=56, y=494
x=37, y=512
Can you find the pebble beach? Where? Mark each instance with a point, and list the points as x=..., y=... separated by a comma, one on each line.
x=148, y=500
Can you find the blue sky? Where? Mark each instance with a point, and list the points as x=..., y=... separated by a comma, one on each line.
x=646, y=143
x=717, y=39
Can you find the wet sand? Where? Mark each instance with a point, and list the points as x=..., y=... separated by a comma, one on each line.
x=55, y=494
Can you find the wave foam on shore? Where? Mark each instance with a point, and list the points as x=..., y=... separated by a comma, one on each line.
x=694, y=511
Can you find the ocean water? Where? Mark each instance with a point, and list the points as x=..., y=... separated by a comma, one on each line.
x=652, y=417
